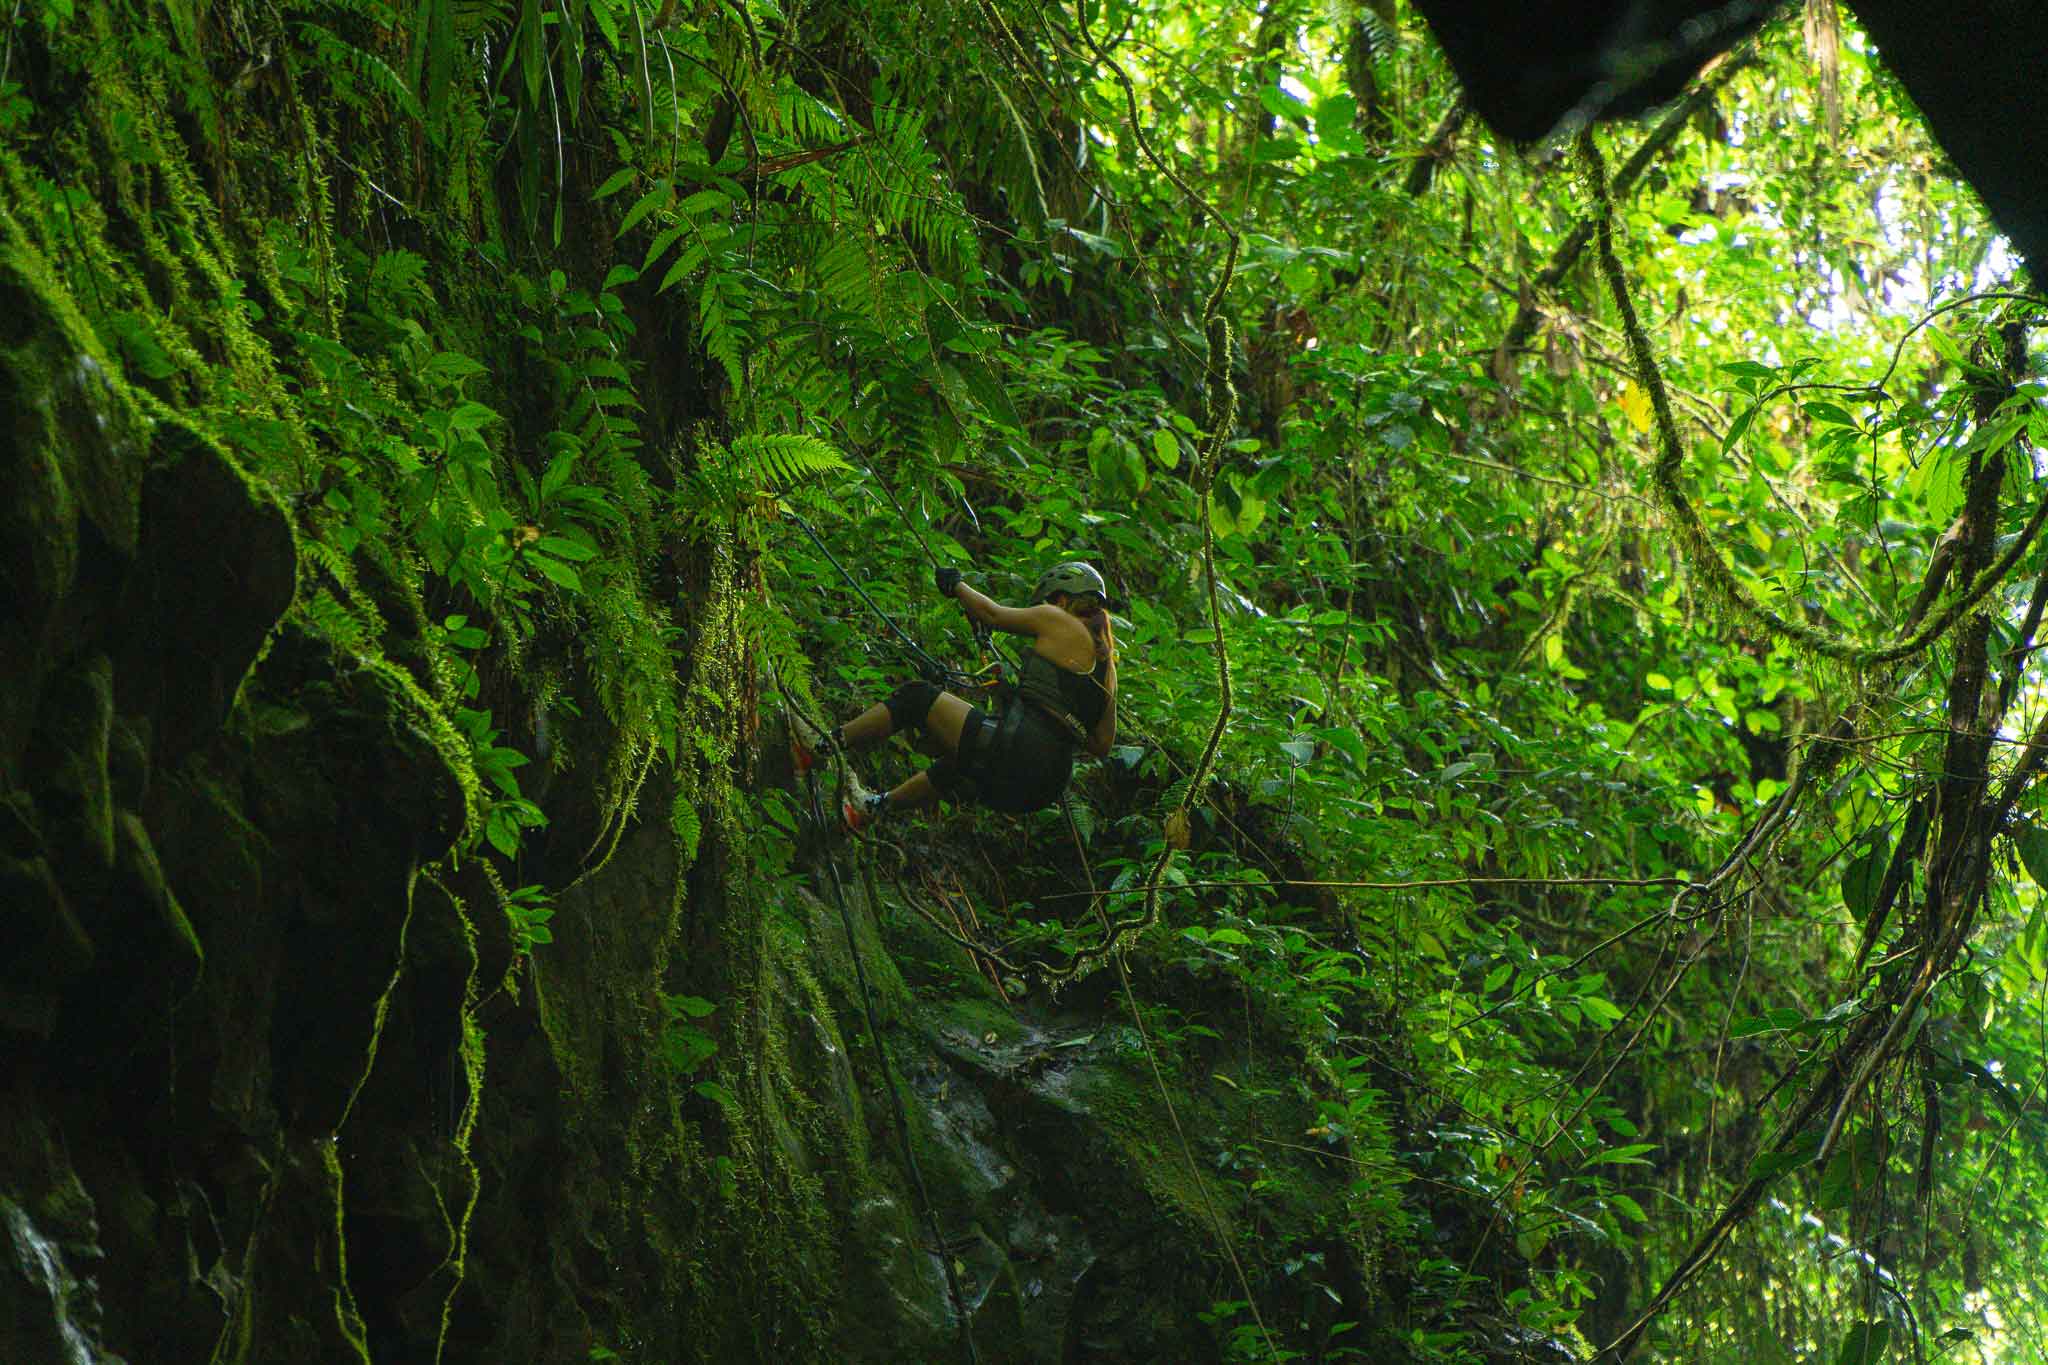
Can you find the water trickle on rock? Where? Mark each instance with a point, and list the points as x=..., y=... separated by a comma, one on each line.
x=73, y=1303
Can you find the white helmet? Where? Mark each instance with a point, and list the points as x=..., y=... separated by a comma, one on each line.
x=1074, y=577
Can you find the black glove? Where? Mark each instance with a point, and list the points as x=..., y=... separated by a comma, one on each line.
x=948, y=580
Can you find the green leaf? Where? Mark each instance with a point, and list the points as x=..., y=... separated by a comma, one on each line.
x=643, y=206
x=1335, y=112
x=663, y=240
x=2033, y=943
x=703, y=201
x=1599, y=1010
x=449, y=367
x=471, y=417
x=1220, y=519
x=1862, y=878
x=1165, y=448
x=564, y=548
x=1629, y=1154
x=615, y=182
x=1865, y=1344
x=1277, y=149
x=681, y=267
x=1250, y=512
x=1739, y=428
x=1279, y=103
x=1830, y=414
x=556, y=571
x=2032, y=843
x=558, y=471
x=502, y=832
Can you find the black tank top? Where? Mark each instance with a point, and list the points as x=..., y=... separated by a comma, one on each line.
x=1084, y=696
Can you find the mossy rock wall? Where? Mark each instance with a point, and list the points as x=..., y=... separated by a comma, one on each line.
x=289, y=1072
x=274, y=1093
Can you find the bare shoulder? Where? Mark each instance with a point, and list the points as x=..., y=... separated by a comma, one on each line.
x=1065, y=641
x=1047, y=619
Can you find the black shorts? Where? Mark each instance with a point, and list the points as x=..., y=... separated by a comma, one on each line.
x=1017, y=762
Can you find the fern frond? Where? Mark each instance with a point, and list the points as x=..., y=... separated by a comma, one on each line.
x=343, y=628
x=355, y=75
x=722, y=315
x=848, y=274
x=808, y=120
x=402, y=275
x=776, y=638
x=786, y=462
x=909, y=189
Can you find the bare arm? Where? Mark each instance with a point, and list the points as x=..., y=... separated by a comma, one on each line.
x=993, y=614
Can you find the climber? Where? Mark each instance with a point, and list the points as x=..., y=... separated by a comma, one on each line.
x=1020, y=760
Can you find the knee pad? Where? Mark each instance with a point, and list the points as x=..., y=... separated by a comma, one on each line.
x=910, y=704
x=946, y=777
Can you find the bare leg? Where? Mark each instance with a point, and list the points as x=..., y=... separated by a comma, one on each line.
x=871, y=726
x=913, y=793
x=939, y=735
x=943, y=723
x=942, y=726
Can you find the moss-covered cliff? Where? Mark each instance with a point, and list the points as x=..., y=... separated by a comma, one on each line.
x=405, y=953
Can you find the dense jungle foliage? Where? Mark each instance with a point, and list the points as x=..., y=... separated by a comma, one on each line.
x=1613, y=572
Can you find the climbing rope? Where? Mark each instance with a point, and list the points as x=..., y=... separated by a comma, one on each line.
x=902, y=1117
x=928, y=665
x=867, y=1002
x=925, y=661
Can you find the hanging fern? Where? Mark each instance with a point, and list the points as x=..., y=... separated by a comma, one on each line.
x=786, y=462
x=722, y=315
x=807, y=119
x=908, y=189
x=357, y=76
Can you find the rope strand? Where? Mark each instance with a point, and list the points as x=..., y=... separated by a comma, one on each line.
x=902, y=1117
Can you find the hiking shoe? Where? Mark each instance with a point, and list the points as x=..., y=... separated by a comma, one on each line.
x=808, y=745
x=860, y=808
